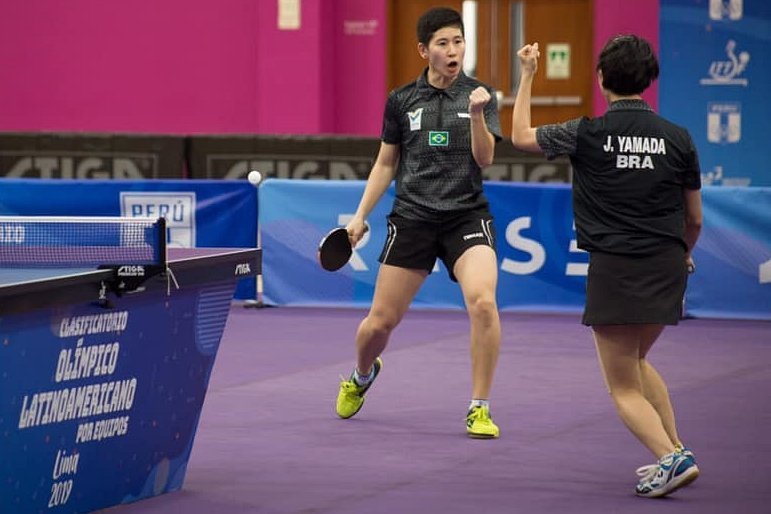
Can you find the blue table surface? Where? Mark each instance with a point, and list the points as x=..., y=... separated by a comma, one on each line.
x=19, y=275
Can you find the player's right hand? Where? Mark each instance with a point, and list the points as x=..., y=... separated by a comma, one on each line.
x=528, y=57
x=356, y=229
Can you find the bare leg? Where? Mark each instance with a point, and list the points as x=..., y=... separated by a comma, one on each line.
x=654, y=388
x=394, y=291
x=477, y=274
x=619, y=349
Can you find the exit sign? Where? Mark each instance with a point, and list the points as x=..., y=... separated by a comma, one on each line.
x=557, y=61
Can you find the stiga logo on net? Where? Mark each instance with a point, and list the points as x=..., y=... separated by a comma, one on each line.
x=131, y=271
x=177, y=208
x=243, y=269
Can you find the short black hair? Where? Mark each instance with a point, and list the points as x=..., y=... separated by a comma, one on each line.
x=628, y=65
x=435, y=19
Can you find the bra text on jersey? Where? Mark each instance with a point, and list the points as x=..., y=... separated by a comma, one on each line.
x=634, y=152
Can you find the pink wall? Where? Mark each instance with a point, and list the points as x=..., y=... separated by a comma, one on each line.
x=360, y=37
x=328, y=77
x=614, y=17
x=214, y=66
x=143, y=65
x=188, y=66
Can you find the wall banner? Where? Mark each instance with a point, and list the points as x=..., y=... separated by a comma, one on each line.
x=714, y=82
x=540, y=268
x=199, y=213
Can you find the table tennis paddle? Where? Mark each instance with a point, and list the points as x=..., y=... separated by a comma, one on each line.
x=335, y=249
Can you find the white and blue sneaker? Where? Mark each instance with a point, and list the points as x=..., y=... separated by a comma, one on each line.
x=650, y=469
x=683, y=450
x=670, y=473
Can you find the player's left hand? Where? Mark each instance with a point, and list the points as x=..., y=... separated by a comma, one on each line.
x=478, y=99
x=689, y=264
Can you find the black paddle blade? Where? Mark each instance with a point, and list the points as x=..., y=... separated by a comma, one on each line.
x=334, y=250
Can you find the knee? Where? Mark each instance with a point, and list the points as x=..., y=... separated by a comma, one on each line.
x=382, y=322
x=623, y=395
x=483, y=310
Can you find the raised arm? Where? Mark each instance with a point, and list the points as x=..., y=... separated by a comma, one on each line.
x=482, y=141
x=522, y=132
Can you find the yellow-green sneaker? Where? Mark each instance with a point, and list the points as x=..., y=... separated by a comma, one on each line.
x=479, y=425
x=350, y=398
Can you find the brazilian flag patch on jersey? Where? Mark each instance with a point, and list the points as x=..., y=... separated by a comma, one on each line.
x=437, y=138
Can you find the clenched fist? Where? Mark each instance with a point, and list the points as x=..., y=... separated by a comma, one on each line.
x=478, y=99
x=528, y=57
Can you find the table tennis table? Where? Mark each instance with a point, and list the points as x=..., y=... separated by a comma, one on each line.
x=101, y=387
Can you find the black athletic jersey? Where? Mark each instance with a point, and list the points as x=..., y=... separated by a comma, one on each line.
x=630, y=167
x=437, y=174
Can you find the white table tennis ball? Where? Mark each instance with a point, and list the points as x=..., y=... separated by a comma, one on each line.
x=254, y=177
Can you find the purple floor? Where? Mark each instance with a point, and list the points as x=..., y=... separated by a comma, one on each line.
x=269, y=440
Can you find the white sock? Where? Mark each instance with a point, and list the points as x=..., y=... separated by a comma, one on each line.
x=479, y=403
x=363, y=379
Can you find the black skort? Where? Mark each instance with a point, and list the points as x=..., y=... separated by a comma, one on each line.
x=623, y=290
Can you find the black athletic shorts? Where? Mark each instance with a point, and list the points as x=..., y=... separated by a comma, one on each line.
x=623, y=290
x=417, y=244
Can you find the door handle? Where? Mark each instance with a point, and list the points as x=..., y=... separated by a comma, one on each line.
x=542, y=101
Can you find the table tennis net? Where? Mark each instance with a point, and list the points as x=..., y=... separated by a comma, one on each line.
x=48, y=242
